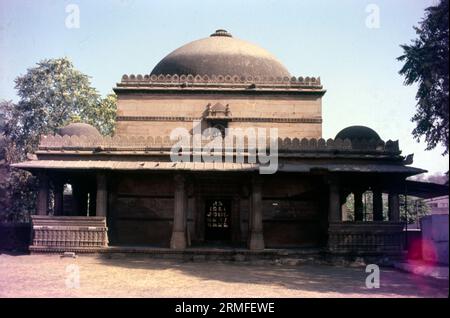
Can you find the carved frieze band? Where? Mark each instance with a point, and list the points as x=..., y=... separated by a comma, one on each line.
x=144, y=143
x=73, y=232
x=233, y=79
x=235, y=119
x=365, y=237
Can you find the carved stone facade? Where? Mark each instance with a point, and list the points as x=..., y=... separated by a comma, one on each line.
x=59, y=234
x=360, y=238
x=128, y=188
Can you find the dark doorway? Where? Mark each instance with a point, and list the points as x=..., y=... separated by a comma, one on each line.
x=217, y=221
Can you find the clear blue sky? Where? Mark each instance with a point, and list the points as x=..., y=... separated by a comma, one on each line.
x=330, y=39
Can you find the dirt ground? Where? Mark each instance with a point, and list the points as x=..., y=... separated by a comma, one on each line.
x=133, y=276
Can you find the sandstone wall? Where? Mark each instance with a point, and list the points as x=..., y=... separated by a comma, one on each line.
x=292, y=115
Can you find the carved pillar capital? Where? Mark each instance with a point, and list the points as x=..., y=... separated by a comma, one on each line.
x=332, y=180
x=180, y=181
x=257, y=182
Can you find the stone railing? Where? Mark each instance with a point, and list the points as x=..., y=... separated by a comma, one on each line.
x=141, y=143
x=210, y=81
x=68, y=233
x=365, y=237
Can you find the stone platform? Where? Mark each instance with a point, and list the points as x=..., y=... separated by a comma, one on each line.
x=222, y=254
x=193, y=253
x=288, y=256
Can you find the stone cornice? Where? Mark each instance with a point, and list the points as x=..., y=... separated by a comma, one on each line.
x=218, y=90
x=160, y=143
x=235, y=119
x=222, y=83
x=220, y=79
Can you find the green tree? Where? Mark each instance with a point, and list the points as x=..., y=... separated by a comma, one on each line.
x=106, y=110
x=426, y=62
x=17, y=187
x=53, y=94
x=17, y=194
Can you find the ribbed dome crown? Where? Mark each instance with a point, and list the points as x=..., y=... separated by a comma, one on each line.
x=221, y=54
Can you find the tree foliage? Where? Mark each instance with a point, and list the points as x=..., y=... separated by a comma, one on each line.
x=51, y=95
x=17, y=187
x=426, y=62
x=106, y=110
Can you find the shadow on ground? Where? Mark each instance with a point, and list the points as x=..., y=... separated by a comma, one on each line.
x=313, y=278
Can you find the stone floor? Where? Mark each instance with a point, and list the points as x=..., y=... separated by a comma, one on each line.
x=135, y=276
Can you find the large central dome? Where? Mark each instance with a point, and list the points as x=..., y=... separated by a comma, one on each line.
x=221, y=54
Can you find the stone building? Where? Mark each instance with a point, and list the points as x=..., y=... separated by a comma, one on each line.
x=127, y=192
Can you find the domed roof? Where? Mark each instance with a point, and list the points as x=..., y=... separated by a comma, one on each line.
x=79, y=129
x=358, y=132
x=221, y=54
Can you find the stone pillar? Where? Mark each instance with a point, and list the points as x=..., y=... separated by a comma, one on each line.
x=59, y=197
x=357, y=195
x=394, y=207
x=334, y=202
x=101, y=203
x=235, y=219
x=42, y=197
x=76, y=204
x=79, y=195
x=92, y=207
x=377, y=205
x=178, y=240
x=256, y=237
x=199, y=218
x=186, y=215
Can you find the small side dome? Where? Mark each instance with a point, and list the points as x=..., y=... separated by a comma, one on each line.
x=358, y=133
x=79, y=129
